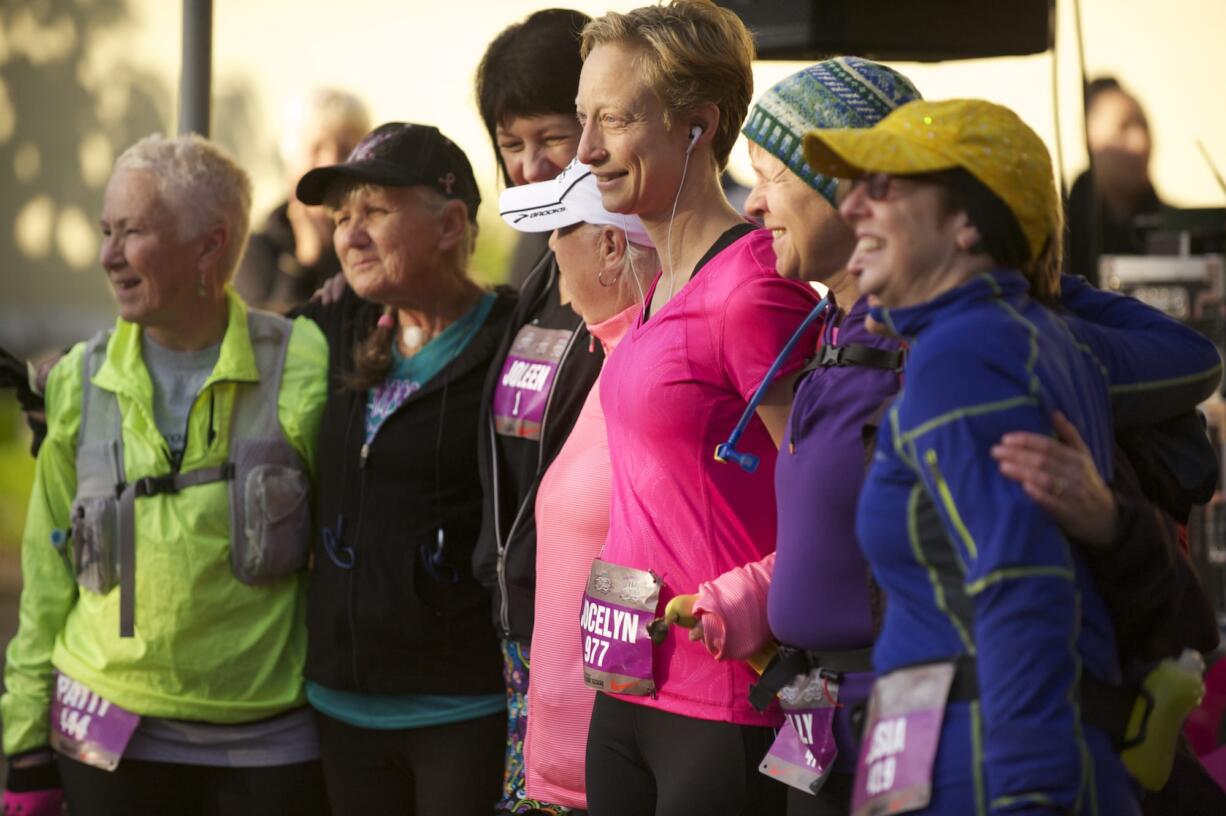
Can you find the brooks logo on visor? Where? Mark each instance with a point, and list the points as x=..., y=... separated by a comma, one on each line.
x=540, y=213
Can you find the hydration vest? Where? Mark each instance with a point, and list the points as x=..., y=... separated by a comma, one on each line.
x=269, y=493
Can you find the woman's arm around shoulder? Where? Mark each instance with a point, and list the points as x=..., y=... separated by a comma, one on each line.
x=1157, y=366
x=48, y=586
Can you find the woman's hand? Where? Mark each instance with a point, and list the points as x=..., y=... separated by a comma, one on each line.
x=1059, y=474
x=331, y=290
x=33, y=786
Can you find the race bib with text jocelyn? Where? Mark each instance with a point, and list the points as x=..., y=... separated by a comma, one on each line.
x=526, y=380
x=618, y=605
x=804, y=749
x=901, y=736
x=87, y=727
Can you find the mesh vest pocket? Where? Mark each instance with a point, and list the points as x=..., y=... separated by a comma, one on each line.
x=272, y=533
x=95, y=533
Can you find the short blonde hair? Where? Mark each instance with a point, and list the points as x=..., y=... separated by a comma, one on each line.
x=200, y=184
x=692, y=52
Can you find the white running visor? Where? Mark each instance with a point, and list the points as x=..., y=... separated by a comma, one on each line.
x=570, y=198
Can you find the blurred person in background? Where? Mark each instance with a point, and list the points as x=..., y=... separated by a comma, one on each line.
x=291, y=255
x=402, y=662
x=169, y=527
x=607, y=262
x=1117, y=188
x=526, y=87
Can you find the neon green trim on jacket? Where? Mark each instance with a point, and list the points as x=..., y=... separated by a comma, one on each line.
x=207, y=647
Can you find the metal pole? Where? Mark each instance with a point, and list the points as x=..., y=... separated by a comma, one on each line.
x=195, y=85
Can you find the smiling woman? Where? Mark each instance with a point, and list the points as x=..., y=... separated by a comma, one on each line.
x=958, y=226
x=145, y=522
x=663, y=92
x=526, y=92
x=168, y=263
x=402, y=663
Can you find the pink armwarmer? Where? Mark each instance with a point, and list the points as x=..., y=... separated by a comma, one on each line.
x=733, y=610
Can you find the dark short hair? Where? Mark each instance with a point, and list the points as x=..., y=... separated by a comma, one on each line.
x=1097, y=87
x=531, y=69
x=1000, y=235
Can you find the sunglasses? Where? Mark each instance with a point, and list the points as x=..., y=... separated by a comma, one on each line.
x=876, y=186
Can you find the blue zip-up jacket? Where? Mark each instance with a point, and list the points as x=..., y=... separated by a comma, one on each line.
x=972, y=566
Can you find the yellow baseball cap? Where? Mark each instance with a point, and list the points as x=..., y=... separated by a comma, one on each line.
x=989, y=141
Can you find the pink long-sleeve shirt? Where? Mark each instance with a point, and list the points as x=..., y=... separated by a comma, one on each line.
x=672, y=391
x=572, y=521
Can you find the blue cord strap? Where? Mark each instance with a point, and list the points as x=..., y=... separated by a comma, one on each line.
x=727, y=451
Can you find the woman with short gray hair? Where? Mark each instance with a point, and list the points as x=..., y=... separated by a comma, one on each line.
x=158, y=664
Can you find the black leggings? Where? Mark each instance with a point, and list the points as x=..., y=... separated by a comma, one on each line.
x=834, y=799
x=643, y=761
x=443, y=769
x=170, y=789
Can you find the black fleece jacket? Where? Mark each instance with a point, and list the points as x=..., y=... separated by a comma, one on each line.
x=505, y=561
x=388, y=612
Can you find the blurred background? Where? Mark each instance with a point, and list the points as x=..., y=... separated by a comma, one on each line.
x=80, y=80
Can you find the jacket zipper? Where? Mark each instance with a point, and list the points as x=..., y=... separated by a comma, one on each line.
x=504, y=611
x=500, y=563
x=349, y=587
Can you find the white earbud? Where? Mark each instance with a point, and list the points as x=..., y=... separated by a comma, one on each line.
x=695, y=132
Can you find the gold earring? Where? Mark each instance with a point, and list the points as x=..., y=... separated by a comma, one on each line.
x=600, y=279
x=201, y=289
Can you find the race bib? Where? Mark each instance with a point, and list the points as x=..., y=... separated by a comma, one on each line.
x=901, y=735
x=527, y=379
x=87, y=727
x=618, y=605
x=804, y=750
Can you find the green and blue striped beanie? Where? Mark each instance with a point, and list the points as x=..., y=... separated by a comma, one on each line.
x=844, y=92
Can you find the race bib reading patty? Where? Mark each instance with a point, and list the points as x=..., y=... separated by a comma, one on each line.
x=88, y=727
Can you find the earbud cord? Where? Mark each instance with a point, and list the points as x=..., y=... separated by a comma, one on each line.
x=630, y=259
x=672, y=273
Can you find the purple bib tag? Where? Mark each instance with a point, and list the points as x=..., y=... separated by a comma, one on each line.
x=618, y=605
x=901, y=736
x=88, y=728
x=526, y=380
x=792, y=763
x=804, y=750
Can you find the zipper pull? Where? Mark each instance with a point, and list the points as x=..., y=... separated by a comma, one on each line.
x=365, y=452
x=212, y=429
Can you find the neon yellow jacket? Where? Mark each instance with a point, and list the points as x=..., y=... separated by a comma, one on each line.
x=207, y=647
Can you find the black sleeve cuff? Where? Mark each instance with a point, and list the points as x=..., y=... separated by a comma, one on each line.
x=43, y=776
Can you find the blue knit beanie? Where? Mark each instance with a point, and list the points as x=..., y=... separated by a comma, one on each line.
x=844, y=92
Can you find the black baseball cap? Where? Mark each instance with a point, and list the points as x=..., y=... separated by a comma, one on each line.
x=400, y=154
